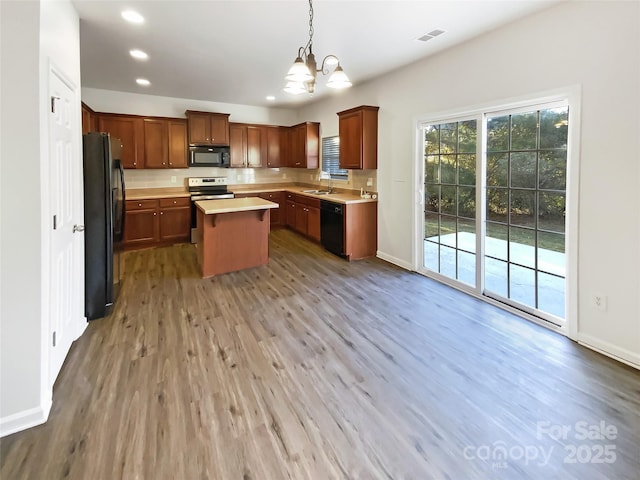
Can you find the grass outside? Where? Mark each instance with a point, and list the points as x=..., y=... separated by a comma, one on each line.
x=526, y=236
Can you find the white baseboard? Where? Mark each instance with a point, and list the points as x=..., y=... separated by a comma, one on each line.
x=621, y=354
x=396, y=261
x=26, y=419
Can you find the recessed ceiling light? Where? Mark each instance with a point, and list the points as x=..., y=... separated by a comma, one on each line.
x=271, y=98
x=132, y=16
x=138, y=54
x=143, y=81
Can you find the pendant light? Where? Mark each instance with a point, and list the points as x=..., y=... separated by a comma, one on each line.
x=301, y=77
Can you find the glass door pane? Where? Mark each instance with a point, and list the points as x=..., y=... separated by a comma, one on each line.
x=449, y=243
x=524, y=253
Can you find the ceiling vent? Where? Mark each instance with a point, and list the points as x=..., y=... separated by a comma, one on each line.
x=432, y=34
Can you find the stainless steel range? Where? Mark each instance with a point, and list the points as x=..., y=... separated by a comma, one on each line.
x=205, y=188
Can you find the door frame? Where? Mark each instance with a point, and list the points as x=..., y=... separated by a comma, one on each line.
x=573, y=95
x=46, y=390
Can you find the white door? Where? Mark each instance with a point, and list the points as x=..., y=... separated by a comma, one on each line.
x=66, y=209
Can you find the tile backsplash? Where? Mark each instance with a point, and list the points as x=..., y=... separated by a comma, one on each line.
x=240, y=176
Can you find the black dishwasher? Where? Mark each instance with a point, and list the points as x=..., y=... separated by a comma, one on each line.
x=332, y=227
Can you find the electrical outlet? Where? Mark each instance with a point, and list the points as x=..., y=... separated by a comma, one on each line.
x=600, y=302
x=173, y=179
x=369, y=182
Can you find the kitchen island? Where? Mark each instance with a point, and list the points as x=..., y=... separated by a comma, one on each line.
x=233, y=234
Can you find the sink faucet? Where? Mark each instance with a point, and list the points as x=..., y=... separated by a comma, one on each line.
x=327, y=176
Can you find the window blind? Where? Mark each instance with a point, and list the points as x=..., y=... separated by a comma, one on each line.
x=331, y=158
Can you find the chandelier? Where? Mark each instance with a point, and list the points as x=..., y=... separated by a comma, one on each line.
x=302, y=74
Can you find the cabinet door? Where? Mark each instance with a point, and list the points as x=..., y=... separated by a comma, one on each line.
x=141, y=226
x=277, y=214
x=199, y=128
x=313, y=223
x=130, y=131
x=178, y=144
x=297, y=147
x=272, y=147
x=350, y=128
x=219, y=129
x=238, y=145
x=311, y=144
x=301, y=218
x=285, y=147
x=175, y=223
x=155, y=143
x=88, y=120
x=254, y=147
x=291, y=214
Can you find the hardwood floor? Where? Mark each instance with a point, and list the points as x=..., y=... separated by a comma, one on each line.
x=316, y=368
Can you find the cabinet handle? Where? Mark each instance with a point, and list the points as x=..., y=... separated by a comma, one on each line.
x=161, y=213
x=174, y=202
x=139, y=204
x=154, y=214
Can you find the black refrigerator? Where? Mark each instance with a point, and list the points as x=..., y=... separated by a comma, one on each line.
x=104, y=203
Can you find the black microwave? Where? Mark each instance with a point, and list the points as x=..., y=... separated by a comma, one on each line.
x=208, y=156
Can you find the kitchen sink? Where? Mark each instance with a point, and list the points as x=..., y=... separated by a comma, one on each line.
x=317, y=192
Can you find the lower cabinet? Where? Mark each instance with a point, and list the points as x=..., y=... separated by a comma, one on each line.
x=277, y=215
x=303, y=215
x=157, y=221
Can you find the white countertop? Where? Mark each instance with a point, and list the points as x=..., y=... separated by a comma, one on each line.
x=230, y=205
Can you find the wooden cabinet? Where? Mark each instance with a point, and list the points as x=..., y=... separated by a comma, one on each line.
x=238, y=145
x=303, y=145
x=278, y=216
x=360, y=230
x=178, y=144
x=141, y=224
x=255, y=146
x=272, y=138
x=130, y=131
x=156, y=149
x=161, y=221
x=303, y=215
x=207, y=128
x=358, y=131
x=175, y=219
x=165, y=143
x=89, y=119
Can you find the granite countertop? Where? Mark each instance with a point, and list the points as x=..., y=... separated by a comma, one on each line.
x=230, y=205
x=150, y=193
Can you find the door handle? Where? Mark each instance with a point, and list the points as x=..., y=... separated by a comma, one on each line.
x=78, y=228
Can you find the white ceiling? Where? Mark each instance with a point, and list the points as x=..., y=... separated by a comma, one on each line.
x=238, y=51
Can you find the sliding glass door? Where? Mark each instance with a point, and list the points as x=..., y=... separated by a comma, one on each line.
x=507, y=243
x=450, y=200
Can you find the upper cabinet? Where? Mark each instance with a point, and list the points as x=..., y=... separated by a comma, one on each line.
x=89, y=119
x=178, y=143
x=255, y=146
x=165, y=143
x=358, y=130
x=208, y=128
x=130, y=131
x=304, y=145
x=271, y=138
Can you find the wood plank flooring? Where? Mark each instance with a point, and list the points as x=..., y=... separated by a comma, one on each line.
x=315, y=368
